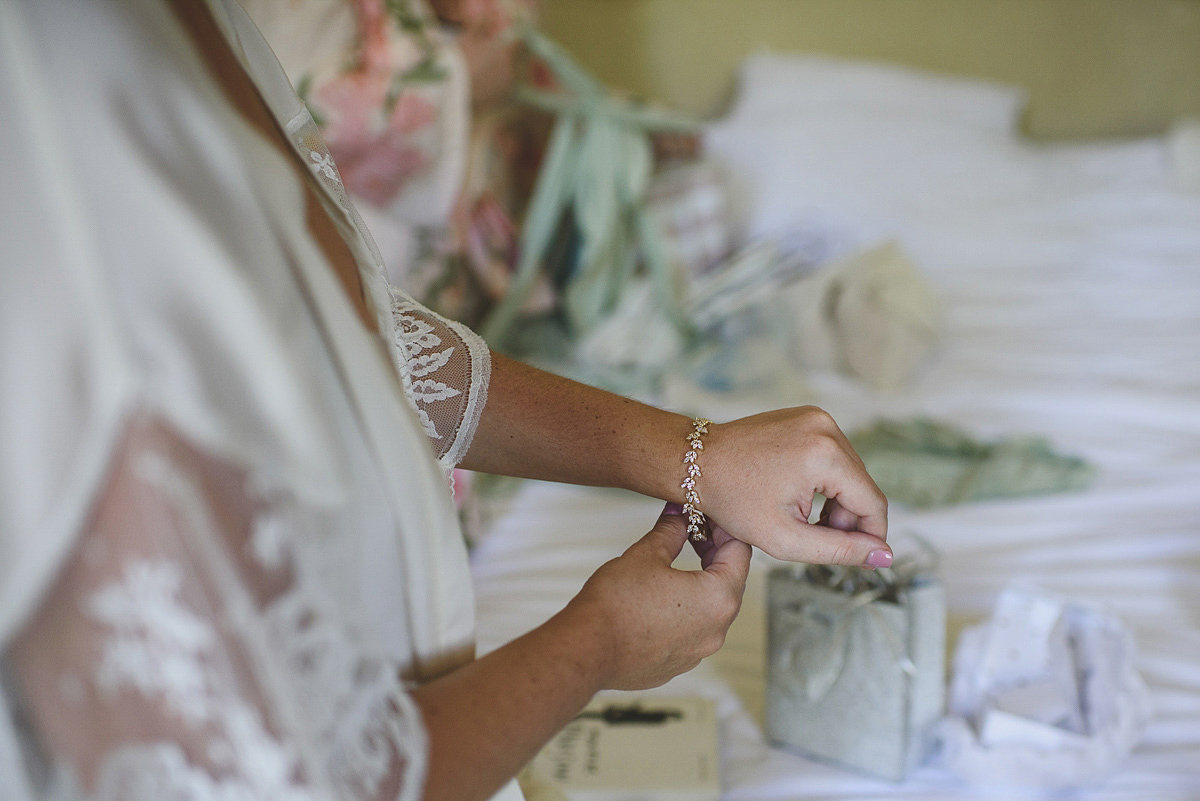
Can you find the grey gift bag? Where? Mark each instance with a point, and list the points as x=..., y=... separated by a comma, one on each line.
x=856, y=665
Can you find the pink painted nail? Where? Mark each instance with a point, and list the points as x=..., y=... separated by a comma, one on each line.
x=676, y=509
x=879, y=558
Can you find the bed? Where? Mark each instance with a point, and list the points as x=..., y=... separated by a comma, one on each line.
x=1071, y=275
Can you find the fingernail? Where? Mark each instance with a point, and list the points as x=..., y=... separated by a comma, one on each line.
x=676, y=509
x=879, y=557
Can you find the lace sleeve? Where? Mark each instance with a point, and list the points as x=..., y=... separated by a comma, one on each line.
x=181, y=655
x=445, y=367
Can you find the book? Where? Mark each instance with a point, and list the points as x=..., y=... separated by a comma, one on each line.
x=633, y=747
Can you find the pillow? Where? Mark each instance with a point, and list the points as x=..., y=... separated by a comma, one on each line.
x=859, y=149
x=774, y=85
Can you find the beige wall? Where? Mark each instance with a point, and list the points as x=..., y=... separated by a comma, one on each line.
x=1093, y=67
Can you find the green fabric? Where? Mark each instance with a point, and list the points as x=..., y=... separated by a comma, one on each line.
x=598, y=164
x=923, y=463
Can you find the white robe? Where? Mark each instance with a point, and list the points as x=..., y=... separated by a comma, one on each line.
x=218, y=502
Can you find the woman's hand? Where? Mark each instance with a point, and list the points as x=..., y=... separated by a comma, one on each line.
x=652, y=621
x=760, y=476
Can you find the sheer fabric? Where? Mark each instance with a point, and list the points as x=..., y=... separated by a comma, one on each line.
x=445, y=368
x=224, y=541
x=192, y=647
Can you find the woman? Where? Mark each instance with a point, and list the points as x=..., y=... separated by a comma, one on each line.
x=229, y=562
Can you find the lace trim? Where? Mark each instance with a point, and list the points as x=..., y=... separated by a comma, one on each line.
x=364, y=722
x=431, y=374
x=165, y=652
x=432, y=370
x=158, y=646
x=481, y=376
x=413, y=337
x=307, y=137
x=162, y=772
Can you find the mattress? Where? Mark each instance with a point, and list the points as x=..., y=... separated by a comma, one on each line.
x=1071, y=276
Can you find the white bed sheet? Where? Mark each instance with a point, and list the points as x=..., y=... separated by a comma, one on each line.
x=1072, y=280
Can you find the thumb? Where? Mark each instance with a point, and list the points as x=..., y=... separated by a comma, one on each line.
x=730, y=561
x=666, y=540
x=824, y=545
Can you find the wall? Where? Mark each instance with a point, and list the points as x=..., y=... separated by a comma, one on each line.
x=1093, y=67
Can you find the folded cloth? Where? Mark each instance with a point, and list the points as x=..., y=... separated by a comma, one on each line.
x=923, y=463
x=871, y=314
x=1045, y=694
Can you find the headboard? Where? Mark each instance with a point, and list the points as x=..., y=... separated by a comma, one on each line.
x=1093, y=68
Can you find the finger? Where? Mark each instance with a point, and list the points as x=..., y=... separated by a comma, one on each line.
x=823, y=545
x=826, y=509
x=856, y=492
x=834, y=515
x=726, y=576
x=706, y=547
x=730, y=562
x=665, y=541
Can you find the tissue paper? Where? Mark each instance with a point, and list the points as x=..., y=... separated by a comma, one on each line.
x=1045, y=694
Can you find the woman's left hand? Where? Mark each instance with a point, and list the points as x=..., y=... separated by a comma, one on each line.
x=760, y=475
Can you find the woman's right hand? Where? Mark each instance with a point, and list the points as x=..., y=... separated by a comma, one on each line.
x=653, y=621
x=636, y=623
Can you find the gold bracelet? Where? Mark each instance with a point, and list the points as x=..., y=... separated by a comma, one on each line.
x=697, y=524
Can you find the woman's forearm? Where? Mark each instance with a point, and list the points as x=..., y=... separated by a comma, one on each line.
x=539, y=425
x=760, y=473
x=489, y=718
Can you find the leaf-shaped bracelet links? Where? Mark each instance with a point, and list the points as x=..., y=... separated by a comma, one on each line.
x=697, y=526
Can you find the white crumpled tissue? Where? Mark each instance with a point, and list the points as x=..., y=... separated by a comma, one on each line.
x=1044, y=694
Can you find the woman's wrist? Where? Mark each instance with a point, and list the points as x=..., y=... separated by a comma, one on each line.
x=655, y=466
x=587, y=633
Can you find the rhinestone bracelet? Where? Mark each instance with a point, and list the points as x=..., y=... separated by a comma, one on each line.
x=697, y=525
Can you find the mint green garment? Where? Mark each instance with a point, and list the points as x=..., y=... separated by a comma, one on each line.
x=597, y=164
x=923, y=463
